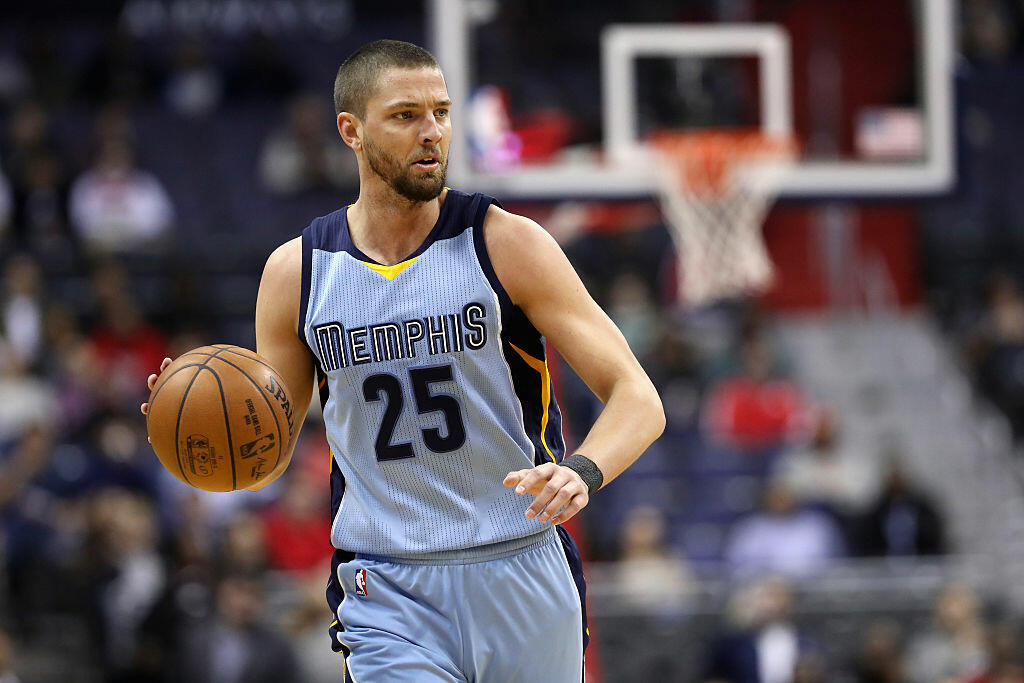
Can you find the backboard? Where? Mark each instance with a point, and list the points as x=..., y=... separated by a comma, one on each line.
x=555, y=99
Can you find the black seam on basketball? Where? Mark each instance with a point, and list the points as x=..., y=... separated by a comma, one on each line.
x=227, y=426
x=214, y=355
x=177, y=424
x=168, y=377
x=266, y=365
x=164, y=383
x=280, y=441
x=196, y=353
x=152, y=399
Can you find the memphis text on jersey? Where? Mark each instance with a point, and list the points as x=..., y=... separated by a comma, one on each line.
x=340, y=347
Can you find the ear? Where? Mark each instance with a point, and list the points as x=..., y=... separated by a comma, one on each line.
x=350, y=129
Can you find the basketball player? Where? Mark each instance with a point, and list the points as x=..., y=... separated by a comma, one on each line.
x=422, y=312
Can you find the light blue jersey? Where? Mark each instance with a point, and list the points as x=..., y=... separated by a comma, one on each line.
x=434, y=386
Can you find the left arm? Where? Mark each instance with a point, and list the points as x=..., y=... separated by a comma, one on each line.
x=541, y=281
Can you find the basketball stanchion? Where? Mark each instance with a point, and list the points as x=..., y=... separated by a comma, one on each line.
x=716, y=188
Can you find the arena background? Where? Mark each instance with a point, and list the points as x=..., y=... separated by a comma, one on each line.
x=838, y=495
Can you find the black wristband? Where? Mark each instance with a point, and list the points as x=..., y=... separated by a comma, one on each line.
x=588, y=470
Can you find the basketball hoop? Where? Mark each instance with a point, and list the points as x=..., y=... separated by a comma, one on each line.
x=716, y=188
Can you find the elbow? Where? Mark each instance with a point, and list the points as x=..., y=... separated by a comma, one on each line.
x=649, y=409
x=656, y=410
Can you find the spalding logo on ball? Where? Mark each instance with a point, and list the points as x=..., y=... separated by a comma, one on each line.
x=220, y=418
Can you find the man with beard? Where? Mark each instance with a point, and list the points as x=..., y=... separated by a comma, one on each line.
x=422, y=311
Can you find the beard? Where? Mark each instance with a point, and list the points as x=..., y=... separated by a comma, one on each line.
x=403, y=177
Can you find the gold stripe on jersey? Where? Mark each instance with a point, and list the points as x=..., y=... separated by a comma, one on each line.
x=540, y=366
x=390, y=272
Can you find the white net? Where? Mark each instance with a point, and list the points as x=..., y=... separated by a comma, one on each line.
x=716, y=189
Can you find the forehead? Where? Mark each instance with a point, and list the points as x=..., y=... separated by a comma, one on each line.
x=409, y=85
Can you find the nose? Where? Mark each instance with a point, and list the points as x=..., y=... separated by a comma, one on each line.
x=432, y=131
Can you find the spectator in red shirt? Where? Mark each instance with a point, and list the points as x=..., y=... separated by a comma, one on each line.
x=756, y=408
x=126, y=346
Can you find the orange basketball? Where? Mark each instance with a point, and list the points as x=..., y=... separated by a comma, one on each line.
x=220, y=418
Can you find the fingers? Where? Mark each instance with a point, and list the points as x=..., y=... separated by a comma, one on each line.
x=533, y=480
x=542, y=499
x=513, y=478
x=559, y=493
x=578, y=502
x=152, y=378
x=151, y=382
x=549, y=491
x=559, y=501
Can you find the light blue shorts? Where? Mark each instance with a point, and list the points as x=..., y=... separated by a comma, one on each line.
x=514, y=614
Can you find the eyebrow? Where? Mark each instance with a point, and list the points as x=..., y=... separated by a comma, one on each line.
x=414, y=105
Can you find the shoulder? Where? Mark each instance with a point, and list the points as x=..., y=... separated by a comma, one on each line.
x=282, y=275
x=286, y=259
x=281, y=285
x=526, y=260
x=520, y=250
x=509, y=231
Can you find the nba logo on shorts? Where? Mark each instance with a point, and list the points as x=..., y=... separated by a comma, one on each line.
x=361, y=582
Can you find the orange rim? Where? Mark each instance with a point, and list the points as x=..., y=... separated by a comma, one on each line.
x=705, y=159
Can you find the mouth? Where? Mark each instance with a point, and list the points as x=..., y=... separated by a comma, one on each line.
x=428, y=163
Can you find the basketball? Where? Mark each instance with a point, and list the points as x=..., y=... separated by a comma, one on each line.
x=220, y=418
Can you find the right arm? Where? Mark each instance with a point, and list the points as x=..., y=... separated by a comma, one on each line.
x=277, y=335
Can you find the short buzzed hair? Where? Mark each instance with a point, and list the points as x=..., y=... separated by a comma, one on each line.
x=357, y=76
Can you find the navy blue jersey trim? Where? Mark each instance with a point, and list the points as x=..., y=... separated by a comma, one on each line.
x=337, y=478
x=326, y=231
x=331, y=232
x=553, y=434
x=307, y=278
x=481, y=203
x=321, y=379
x=335, y=596
x=526, y=384
x=335, y=591
x=572, y=556
x=516, y=327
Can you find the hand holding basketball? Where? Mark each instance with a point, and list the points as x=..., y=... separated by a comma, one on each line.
x=219, y=417
x=151, y=381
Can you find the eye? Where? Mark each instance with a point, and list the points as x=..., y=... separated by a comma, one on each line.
x=442, y=113
x=404, y=115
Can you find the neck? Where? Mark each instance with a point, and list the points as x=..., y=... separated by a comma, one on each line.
x=388, y=227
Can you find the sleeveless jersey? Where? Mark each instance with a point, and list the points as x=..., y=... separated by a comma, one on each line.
x=434, y=386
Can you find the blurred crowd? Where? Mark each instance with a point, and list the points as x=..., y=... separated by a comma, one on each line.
x=133, y=576
x=973, y=240
x=766, y=643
